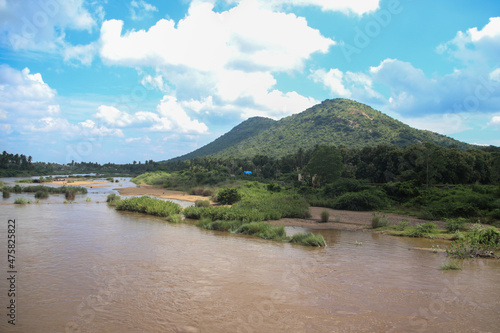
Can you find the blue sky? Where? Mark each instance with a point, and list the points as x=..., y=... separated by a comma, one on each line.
x=117, y=81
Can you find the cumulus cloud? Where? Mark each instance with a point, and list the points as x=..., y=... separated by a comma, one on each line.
x=83, y=54
x=332, y=80
x=495, y=121
x=139, y=9
x=41, y=25
x=222, y=60
x=358, y=7
x=208, y=41
x=358, y=86
x=173, y=116
x=170, y=116
x=142, y=140
x=23, y=94
x=475, y=45
x=60, y=126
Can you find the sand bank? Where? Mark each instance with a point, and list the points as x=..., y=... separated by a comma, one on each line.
x=144, y=189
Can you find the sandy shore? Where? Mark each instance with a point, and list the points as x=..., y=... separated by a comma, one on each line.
x=88, y=183
x=339, y=219
x=346, y=220
x=144, y=189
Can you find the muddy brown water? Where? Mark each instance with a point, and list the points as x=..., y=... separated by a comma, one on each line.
x=88, y=268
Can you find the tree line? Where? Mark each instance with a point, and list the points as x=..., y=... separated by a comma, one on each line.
x=424, y=164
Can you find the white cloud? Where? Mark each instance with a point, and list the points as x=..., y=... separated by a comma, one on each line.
x=448, y=123
x=174, y=117
x=358, y=7
x=6, y=128
x=113, y=117
x=82, y=53
x=143, y=140
x=495, y=75
x=170, y=116
x=60, y=126
x=475, y=45
x=228, y=63
x=139, y=9
x=277, y=105
x=155, y=82
x=24, y=94
x=41, y=25
x=231, y=39
x=349, y=85
x=332, y=80
x=495, y=121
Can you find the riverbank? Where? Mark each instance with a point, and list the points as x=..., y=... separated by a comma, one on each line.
x=87, y=183
x=347, y=220
x=339, y=219
x=162, y=193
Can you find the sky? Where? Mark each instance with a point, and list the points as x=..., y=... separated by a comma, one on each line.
x=122, y=81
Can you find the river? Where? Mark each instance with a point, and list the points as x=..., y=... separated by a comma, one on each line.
x=84, y=267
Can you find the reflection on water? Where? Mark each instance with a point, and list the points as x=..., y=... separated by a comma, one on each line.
x=89, y=268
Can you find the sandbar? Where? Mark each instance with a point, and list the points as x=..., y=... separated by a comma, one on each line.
x=162, y=193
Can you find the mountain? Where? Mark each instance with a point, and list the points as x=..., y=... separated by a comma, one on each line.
x=333, y=122
x=247, y=129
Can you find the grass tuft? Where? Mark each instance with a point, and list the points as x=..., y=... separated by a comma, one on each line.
x=450, y=266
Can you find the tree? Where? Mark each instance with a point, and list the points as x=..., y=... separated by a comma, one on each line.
x=326, y=163
x=228, y=196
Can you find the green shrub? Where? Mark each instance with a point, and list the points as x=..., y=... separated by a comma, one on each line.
x=202, y=203
x=379, y=220
x=453, y=225
x=70, y=195
x=112, y=197
x=262, y=230
x=149, y=206
x=17, y=189
x=308, y=239
x=421, y=230
x=176, y=218
x=203, y=191
x=402, y=225
x=6, y=194
x=228, y=196
x=342, y=186
x=20, y=201
x=325, y=216
x=450, y=266
x=479, y=241
x=41, y=194
x=362, y=201
x=273, y=187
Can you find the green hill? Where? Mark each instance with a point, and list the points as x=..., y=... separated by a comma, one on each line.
x=247, y=129
x=333, y=122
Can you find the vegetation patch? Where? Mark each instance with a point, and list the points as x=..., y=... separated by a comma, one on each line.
x=450, y=266
x=325, y=216
x=113, y=199
x=20, y=201
x=41, y=194
x=308, y=239
x=379, y=220
x=149, y=206
x=228, y=196
x=202, y=203
x=478, y=242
